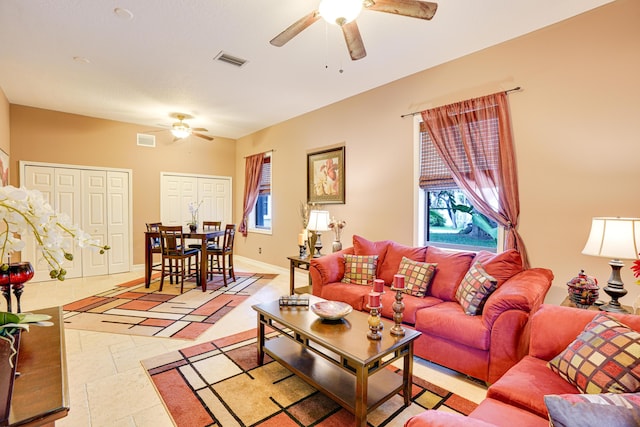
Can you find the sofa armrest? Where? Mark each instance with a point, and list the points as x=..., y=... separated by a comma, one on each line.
x=525, y=292
x=554, y=327
x=327, y=269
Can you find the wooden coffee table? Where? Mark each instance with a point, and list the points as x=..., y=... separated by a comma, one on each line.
x=337, y=358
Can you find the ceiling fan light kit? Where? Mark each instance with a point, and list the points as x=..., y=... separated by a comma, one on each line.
x=340, y=12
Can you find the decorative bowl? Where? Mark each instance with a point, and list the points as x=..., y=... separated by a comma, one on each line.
x=331, y=310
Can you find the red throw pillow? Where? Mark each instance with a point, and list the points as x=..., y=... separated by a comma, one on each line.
x=501, y=266
x=452, y=266
x=393, y=258
x=362, y=246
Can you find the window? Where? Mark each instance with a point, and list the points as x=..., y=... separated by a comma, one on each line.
x=260, y=217
x=447, y=218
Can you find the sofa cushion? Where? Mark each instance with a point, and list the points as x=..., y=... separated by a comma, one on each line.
x=417, y=276
x=475, y=288
x=526, y=384
x=411, y=305
x=353, y=295
x=360, y=269
x=502, y=414
x=393, y=256
x=448, y=321
x=593, y=410
x=362, y=246
x=452, y=266
x=502, y=266
x=435, y=418
x=604, y=358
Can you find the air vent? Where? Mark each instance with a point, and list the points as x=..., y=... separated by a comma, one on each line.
x=230, y=59
x=145, y=140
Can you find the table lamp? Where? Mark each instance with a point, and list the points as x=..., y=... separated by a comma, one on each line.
x=614, y=238
x=318, y=222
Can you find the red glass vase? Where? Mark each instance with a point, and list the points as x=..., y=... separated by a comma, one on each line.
x=14, y=278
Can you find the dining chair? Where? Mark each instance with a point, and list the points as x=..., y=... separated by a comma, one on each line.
x=154, y=243
x=223, y=255
x=175, y=253
x=209, y=226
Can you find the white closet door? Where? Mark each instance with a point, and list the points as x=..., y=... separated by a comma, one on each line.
x=170, y=202
x=98, y=201
x=188, y=194
x=118, y=221
x=216, y=194
x=62, y=188
x=177, y=191
x=94, y=220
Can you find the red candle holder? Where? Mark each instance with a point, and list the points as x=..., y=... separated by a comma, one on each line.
x=398, y=310
x=14, y=278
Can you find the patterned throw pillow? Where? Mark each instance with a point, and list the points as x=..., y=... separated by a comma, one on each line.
x=417, y=276
x=604, y=358
x=593, y=410
x=475, y=288
x=359, y=269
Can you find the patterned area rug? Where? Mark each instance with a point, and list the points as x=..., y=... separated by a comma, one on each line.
x=130, y=308
x=219, y=383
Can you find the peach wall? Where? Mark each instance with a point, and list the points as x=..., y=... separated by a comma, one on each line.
x=4, y=122
x=575, y=124
x=48, y=136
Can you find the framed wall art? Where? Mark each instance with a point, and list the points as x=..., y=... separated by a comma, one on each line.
x=325, y=176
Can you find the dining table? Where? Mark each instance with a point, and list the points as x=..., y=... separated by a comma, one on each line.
x=202, y=235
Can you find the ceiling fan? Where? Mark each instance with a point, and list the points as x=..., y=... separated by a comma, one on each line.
x=181, y=129
x=344, y=12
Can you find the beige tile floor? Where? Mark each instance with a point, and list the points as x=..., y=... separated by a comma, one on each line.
x=109, y=387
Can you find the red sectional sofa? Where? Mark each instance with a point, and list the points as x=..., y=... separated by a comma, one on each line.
x=483, y=346
x=517, y=398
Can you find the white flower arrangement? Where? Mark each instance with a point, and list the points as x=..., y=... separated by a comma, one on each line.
x=25, y=212
x=193, y=210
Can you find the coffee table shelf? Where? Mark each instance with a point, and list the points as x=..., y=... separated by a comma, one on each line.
x=329, y=379
x=337, y=358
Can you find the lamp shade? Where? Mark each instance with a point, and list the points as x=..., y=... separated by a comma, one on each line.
x=615, y=238
x=319, y=221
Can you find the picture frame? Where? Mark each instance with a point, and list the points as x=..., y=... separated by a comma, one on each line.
x=326, y=176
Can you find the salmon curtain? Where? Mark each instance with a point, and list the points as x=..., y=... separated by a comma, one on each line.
x=474, y=139
x=252, y=173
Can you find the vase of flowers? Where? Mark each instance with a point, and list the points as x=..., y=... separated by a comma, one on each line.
x=193, y=210
x=26, y=212
x=337, y=226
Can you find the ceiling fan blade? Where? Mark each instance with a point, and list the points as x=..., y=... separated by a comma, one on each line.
x=411, y=8
x=354, y=40
x=200, y=129
x=201, y=135
x=295, y=29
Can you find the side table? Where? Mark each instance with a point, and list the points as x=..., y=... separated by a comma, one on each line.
x=297, y=262
x=568, y=303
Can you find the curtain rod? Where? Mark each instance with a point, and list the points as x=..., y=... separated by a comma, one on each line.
x=267, y=151
x=418, y=112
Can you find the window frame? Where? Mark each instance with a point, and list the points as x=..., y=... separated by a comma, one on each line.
x=251, y=219
x=421, y=210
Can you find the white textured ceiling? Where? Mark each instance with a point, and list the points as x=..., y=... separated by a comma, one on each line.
x=161, y=61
